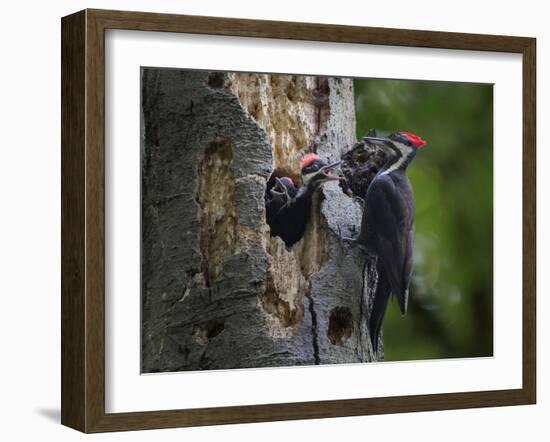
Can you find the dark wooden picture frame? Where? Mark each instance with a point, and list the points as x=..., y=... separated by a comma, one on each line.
x=83, y=218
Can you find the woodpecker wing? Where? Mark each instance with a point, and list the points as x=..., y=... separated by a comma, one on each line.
x=381, y=298
x=297, y=215
x=390, y=213
x=288, y=219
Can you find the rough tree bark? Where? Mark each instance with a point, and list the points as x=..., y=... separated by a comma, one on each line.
x=217, y=290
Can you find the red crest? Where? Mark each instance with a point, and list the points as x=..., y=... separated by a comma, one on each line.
x=414, y=139
x=308, y=158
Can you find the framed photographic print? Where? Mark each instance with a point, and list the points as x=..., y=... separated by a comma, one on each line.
x=266, y=220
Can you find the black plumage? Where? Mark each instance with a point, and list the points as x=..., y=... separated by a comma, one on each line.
x=288, y=208
x=278, y=208
x=387, y=232
x=387, y=225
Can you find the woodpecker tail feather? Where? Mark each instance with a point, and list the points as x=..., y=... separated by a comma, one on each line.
x=381, y=297
x=403, y=301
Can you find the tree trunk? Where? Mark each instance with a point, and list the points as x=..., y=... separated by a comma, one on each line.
x=217, y=290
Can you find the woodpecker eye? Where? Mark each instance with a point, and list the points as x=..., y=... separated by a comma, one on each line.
x=400, y=138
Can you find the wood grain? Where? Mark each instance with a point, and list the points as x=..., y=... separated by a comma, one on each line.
x=83, y=218
x=144, y=21
x=529, y=221
x=73, y=349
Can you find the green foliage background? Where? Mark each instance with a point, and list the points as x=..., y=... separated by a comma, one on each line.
x=451, y=295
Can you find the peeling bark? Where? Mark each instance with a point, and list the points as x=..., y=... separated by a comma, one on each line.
x=217, y=290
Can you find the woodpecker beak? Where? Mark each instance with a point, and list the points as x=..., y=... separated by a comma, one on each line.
x=278, y=189
x=384, y=143
x=325, y=174
x=378, y=141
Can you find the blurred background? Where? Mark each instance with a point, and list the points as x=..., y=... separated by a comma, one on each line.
x=451, y=295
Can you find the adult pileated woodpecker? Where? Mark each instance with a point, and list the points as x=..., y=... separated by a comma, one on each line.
x=387, y=225
x=288, y=208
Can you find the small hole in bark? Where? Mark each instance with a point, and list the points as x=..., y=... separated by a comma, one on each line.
x=203, y=333
x=214, y=328
x=216, y=80
x=340, y=325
